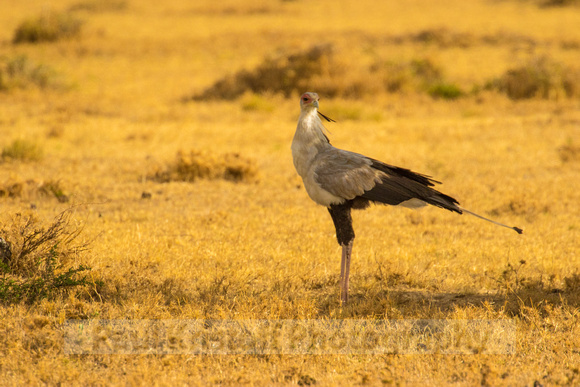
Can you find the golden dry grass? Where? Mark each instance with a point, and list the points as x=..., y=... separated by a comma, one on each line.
x=219, y=249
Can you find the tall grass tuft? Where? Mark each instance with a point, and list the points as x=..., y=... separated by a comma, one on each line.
x=22, y=150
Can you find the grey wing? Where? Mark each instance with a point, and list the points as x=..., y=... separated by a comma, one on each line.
x=349, y=175
x=345, y=174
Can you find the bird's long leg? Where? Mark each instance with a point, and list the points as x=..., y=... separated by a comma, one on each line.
x=345, y=271
x=342, y=219
x=342, y=267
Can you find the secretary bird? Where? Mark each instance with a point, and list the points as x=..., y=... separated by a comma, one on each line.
x=341, y=180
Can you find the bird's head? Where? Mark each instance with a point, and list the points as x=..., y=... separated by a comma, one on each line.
x=309, y=103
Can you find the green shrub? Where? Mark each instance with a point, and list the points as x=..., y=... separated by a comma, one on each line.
x=31, y=289
x=49, y=26
x=445, y=90
x=35, y=259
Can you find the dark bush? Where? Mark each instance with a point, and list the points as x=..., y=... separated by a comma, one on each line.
x=539, y=78
x=49, y=26
x=284, y=74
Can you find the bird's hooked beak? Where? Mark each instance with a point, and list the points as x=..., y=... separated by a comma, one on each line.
x=315, y=104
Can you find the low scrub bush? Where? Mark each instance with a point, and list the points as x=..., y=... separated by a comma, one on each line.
x=193, y=165
x=322, y=69
x=36, y=260
x=48, y=27
x=539, y=78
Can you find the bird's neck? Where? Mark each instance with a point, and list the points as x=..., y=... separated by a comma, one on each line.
x=311, y=129
x=308, y=141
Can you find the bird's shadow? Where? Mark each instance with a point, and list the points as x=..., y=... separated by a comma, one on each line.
x=420, y=303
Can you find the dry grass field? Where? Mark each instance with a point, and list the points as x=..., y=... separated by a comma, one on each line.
x=145, y=173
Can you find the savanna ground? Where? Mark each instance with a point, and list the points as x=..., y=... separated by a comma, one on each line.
x=163, y=130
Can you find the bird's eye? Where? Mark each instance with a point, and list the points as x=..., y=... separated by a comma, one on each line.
x=305, y=99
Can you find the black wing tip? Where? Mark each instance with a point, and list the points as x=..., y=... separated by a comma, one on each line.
x=518, y=230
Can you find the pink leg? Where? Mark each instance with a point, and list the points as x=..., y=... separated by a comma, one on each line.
x=345, y=271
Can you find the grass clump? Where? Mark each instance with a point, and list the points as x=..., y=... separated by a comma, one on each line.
x=539, y=78
x=22, y=150
x=193, y=165
x=50, y=26
x=35, y=260
x=21, y=73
